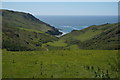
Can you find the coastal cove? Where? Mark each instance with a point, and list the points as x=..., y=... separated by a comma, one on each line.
x=66, y=24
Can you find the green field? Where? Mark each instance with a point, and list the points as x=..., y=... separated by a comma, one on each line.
x=60, y=64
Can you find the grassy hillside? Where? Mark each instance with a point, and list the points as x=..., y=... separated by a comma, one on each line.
x=108, y=39
x=60, y=64
x=23, y=32
x=25, y=20
x=94, y=37
x=20, y=39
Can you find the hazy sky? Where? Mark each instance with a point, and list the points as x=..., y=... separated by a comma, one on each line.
x=64, y=8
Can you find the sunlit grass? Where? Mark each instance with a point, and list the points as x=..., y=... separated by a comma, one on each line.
x=58, y=64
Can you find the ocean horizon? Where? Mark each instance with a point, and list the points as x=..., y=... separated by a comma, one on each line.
x=66, y=24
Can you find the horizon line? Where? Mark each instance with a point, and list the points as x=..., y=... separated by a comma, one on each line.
x=52, y=14
x=74, y=15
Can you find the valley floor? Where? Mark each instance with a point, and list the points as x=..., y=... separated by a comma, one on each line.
x=60, y=64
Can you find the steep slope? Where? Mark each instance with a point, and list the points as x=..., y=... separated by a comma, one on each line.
x=94, y=37
x=26, y=20
x=108, y=39
x=24, y=32
x=20, y=39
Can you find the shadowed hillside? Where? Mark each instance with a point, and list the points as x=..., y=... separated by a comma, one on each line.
x=23, y=32
x=18, y=39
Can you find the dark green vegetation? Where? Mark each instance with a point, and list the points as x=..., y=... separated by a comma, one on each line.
x=16, y=39
x=31, y=50
x=26, y=20
x=102, y=37
x=60, y=64
x=23, y=32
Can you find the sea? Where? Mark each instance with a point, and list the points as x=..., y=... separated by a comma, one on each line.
x=66, y=24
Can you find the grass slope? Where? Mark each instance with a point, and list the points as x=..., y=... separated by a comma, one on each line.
x=94, y=37
x=60, y=64
x=20, y=39
x=23, y=32
x=107, y=39
x=25, y=20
